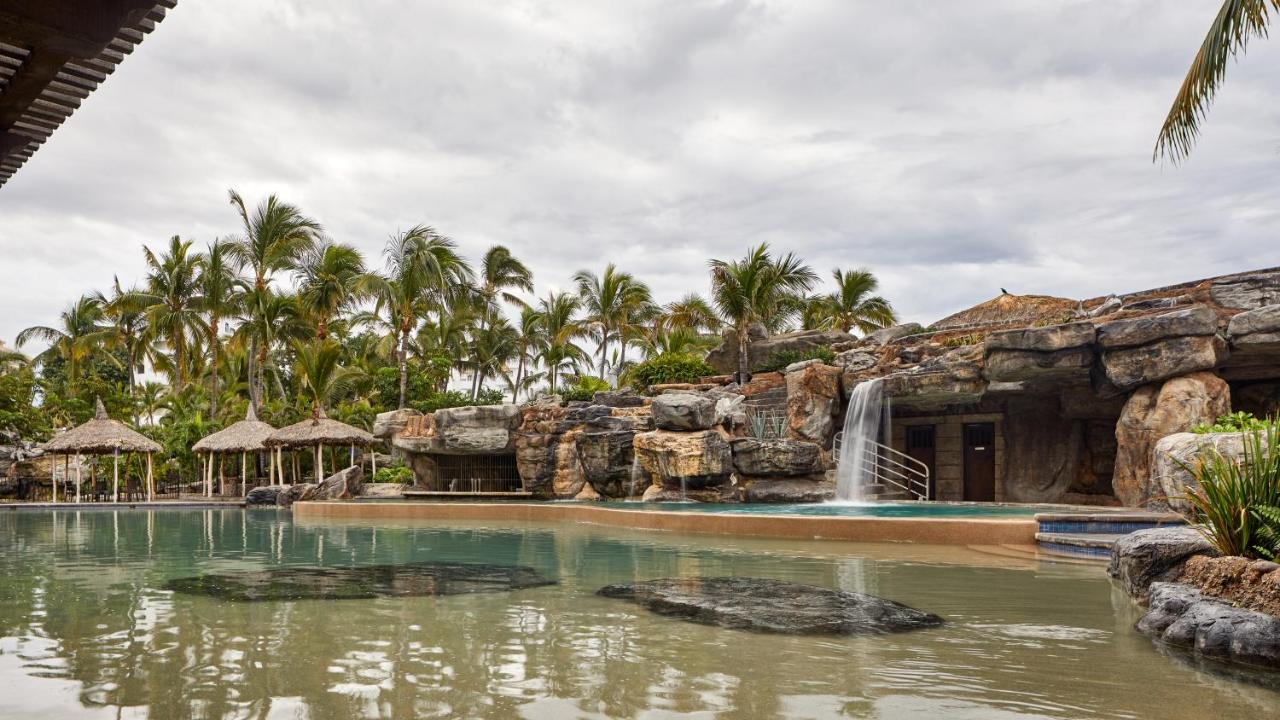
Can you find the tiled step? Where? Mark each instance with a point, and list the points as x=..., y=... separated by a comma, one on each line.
x=1079, y=545
x=1105, y=523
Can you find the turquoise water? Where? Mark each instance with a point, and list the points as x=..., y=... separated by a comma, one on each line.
x=89, y=630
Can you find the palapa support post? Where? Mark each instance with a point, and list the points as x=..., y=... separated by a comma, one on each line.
x=115, y=476
x=222, y=475
x=319, y=462
x=78, y=477
x=244, y=472
x=151, y=480
x=53, y=485
x=353, y=455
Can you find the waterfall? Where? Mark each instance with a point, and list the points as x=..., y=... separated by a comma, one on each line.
x=868, y=414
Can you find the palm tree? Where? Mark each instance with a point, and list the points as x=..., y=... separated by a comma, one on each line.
x=500, y=272
x=528, y=343
x=613, y=301
x=330, y=280
x=423, y=272
x=320, y=372
x=125, y=329
x=221, y=296
x=492, y=348
x=72, y=340
x=263, y=324
x=152, y=397
x=559, y=328
x=1236, y=23
x=693, y=312
x=758, y=289
x=853, y=306
x=172, y=299
x=275, y=236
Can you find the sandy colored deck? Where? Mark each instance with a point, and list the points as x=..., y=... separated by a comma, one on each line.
x=938, y=531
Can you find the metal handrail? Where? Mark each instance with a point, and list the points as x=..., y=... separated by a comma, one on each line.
x=892, y=467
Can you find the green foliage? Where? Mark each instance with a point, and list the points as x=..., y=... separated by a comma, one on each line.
x=669, y=368
x=433, y=401
x=19, y=418
x=780, y=360
x=1230, y=491
x=585, y=389
x=962, y=340
x=1234, y=422
x=394, y=474
x=1268, y=517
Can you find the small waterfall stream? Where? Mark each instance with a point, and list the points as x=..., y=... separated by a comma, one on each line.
x=867, y=416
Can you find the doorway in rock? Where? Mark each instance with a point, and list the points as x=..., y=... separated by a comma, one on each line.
x=477, y=473
x=921, y=444
x=980, y=462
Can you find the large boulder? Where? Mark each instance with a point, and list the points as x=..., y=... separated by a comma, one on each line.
x=264, y=495
x=1132, y=332
x=1048, y=339
x=383, y=491
x=1182, y=616
x=775, y=457
x=478, y=429
x=683, y=411
x=1171, y=480
x=922, y=389
x=621, y=398
x=725, y=357
x=607, y=459
x=291, y=494
x=684, y=459
x=788, y=490
x=389, y=424
x=772, y=606
x=1148, y=556
x=342, y=485
x=546, y=447
x=1152, y=412
x=1035, y=366
x=884, y=336
x=1130, y=367
x=1246, y=292
x=813, y=401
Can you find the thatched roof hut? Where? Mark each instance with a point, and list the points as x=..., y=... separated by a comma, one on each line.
x=1009, y=309
x=319, y=430
x=101, y=436
x=104, y=436
x=248, y=435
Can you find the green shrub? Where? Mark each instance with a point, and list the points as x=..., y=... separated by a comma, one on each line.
x=1234, y=422
x=963, y=340
x=585, y=389
x=400, y=474
x=1228, y=504
x=432, y=401
x=781, y=359
x=669, y=368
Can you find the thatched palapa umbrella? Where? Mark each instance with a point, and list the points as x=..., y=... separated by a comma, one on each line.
x=104, y=436
x=317, y=431
x=247, y=436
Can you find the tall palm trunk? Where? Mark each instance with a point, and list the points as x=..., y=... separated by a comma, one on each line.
x=604, y=352
x=255, y=398
x=743, y=349
x=515, y=390
x=213, y=373
x=403, y=361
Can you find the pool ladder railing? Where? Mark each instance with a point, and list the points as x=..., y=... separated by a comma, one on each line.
x=892, y=471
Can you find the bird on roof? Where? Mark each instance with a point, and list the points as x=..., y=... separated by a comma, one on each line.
x=1003, y=291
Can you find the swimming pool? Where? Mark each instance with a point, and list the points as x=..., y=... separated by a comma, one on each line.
x=874, y=510
x=89, y=627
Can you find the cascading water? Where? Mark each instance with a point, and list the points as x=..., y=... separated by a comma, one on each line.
x=868, y=414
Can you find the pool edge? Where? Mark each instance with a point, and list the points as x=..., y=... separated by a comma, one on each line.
x=935, y=531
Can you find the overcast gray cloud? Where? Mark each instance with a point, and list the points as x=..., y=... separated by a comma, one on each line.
x=955, y=148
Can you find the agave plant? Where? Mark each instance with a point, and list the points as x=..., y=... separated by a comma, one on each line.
x=1227, y=504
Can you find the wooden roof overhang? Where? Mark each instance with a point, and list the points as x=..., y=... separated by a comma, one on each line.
x=53, y=53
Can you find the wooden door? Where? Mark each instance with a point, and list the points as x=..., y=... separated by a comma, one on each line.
x=921, y=445
x=980, y=462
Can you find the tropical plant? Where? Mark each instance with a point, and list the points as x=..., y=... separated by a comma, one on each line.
x=171, y=296
x=395, y=474
x=669, y=368
x=1236, y=23
x=331, y=278
x=558, y=352
x=72, y=340
x=1233, y=422
x=1268, y=545
x=320, y=373
x=852, y=305
x=758, y=289
x=781, y=359
x=1230, y=490
x=584, y=388
x=221, y=296
x=614, y=302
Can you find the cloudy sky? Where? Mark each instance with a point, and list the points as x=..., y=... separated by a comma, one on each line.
x=954, y=148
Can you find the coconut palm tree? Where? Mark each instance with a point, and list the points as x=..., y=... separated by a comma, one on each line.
x=613, y=302
x=423, y=273
x=852, y=305
x=152, y=397
x=528, y=343
x=320, y=372
x=1235, y=24
x=171, y=296
x=558, y=351
x=125, y=329
x=263, y=325
x=330, y=280
x=73, y=340
x=221, y=296
x=692, y=312
x=500, y=273
x=492, y=348
x=758, y=289
x=275, y=236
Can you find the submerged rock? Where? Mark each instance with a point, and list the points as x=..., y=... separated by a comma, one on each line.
x=372, y=581
x=264, y=495
x=772, y=606
x=1182, y=616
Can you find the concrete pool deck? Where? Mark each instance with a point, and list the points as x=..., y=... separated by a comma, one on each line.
x=930, y=530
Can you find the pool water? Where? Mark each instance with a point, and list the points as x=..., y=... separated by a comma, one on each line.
x=87, y=629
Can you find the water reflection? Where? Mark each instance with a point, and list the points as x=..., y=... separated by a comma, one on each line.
x=88, y=627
